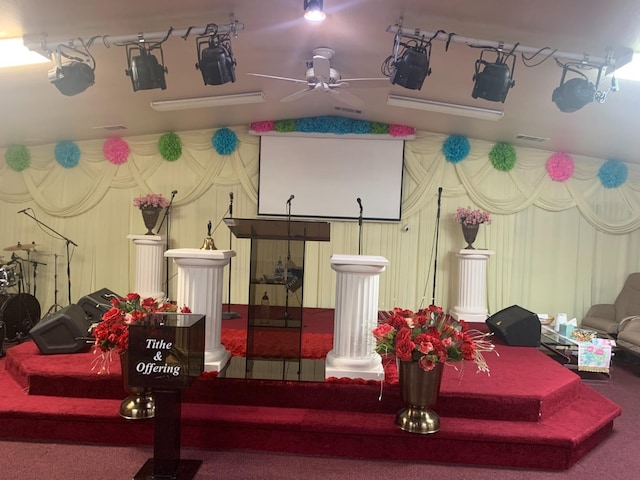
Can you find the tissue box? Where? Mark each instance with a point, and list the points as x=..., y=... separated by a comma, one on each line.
x=566, y=329
x=595, y=355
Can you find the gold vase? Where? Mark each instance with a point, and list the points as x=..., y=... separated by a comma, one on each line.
x=139, y=403
x=470, y=232
x=419, y=391
x=150, y=217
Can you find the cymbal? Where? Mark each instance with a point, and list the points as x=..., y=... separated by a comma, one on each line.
x=20, y=246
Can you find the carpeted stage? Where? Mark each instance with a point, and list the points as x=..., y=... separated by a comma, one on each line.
x=530, y=413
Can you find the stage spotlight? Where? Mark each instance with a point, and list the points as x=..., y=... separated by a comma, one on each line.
x=495, y=80
x=575, y=93
x=144, y=69
x=313, y=10
x=412, y=68
x=73, y=77
x=215, y=57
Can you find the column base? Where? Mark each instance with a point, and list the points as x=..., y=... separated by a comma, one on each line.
x=469, y=317
x=216, y=361
x=347, y=367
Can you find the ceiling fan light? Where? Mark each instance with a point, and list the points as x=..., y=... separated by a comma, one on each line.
x=573, y=94
x=313, y=11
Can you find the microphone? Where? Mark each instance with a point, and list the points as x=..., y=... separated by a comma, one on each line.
x=290, y=198
x=230, y=204
x=359, y=203
x=439, y=195
x=23, y=210
x=173, y=194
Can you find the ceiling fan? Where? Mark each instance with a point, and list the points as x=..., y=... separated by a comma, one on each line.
x=321, y=78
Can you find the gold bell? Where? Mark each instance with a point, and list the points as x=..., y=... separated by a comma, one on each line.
x=208, y=244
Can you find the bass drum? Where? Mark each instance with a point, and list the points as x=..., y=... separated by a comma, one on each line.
x=19, y=312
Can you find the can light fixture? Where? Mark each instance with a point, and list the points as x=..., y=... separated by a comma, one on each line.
x=313, y=10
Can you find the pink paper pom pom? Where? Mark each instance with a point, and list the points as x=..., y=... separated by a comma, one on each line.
x=264, y=126
x=401, y=131
x=560, y=167
x=116, y=150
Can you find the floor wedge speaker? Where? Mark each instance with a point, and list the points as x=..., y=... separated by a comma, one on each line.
x=516, y=326
x=64, y=331
x=97, y=303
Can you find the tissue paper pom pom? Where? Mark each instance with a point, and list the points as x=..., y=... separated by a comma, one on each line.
x=116, y=150
x=284, y=126
x=361, y=126
x=18, y=157
x=456, y=148
x=379, y=128
x=503, y=156
x=612, y=173
x=401, y=130
x=224, y=141
x=264, y=126
x=170, y=146
x=67, y=153
x=560, y=167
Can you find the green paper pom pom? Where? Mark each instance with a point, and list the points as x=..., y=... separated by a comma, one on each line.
x=379, y=128
x=18, y=157
x=284, y=126
x=170, y=146
x=503, y=157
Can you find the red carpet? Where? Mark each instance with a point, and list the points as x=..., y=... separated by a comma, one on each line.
x=531, y=412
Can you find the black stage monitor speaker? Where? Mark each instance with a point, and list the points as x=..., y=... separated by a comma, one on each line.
x=64, y=331
x=97, y=303
x=516, y=326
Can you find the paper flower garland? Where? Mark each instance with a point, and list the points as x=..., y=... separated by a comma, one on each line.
x=379, y=128
x=503, y=156
x=224, y=141
x=560, y=167
x=332, y=124
x=612, y=173
x=116, y=150
x=284, y=126
x=456, y=148
x=170, y=146
x=18, y=157
x=401, y=130
x=67, y=154
x=264, y=126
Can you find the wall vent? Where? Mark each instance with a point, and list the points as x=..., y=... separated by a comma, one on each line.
x=531, y=138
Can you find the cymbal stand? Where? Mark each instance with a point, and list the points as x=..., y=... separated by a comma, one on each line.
x=35, y=264
x=55, y=307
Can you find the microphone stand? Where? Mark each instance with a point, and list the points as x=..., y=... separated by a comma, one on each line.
x=288, y=262
x=229, y=314
x=166, y=260
x=360, y=229
x=435, y=261
x=67, y=241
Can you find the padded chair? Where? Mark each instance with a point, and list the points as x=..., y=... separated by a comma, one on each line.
x=629, y=335
x=606, y=318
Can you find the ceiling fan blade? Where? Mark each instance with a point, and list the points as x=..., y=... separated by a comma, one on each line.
x=296, y=80
x=321, y=68
x=386, y=79
x=297, y=95
x=347, y=97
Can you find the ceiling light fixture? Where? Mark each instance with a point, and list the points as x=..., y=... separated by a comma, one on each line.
x=144, y=69
x=13, y=53
x=207, y=102
x=215, y=57
x=442, y=107
x=73, y=77
x=495, y=80
x=313, y=10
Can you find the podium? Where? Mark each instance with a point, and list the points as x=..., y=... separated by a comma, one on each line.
x=166, y=355
x=276, y=292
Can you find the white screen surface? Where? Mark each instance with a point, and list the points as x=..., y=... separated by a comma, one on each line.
x=327, y=175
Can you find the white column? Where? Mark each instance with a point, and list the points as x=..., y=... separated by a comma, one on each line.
x=472, y=285
x=200, y=289
x=149, y=250
x=356, y=315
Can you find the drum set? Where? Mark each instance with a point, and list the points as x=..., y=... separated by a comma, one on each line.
x=19, y=308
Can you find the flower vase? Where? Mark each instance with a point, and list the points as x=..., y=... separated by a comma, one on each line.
x=150, y=217
x=419, y=390
x=470, y=232
x=140, y=403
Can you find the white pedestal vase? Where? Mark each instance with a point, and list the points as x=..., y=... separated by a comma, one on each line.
x=472, y=285
x=149, y=257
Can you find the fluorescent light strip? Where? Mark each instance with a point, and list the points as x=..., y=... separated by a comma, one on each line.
x=207, y=102
x=13, y=53
x=441, y=107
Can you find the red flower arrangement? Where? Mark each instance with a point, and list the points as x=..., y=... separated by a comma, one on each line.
x=112, y=333
x=430, y=336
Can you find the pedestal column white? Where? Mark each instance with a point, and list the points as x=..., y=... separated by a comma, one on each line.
x=472, y=285
x=200, y=289
x=149, y=250
x=356, y=315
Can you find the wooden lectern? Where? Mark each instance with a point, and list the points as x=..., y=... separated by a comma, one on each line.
x=276, y=288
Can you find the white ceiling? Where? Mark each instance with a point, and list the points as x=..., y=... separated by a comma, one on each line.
x=277, y=40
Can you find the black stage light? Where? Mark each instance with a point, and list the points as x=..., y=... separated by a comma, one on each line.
x=412, y=68
x=573, y=94
x=215, y=62
x=72, y=78
x=144, y=69
x=494, y=81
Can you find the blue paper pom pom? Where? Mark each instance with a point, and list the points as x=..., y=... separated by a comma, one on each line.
x=456, y=148
x=224, y=141
x=67, y=154
x=612, y=173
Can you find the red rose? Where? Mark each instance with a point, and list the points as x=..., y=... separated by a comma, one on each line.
x=404, y=345
x=133, y=297
x=382, y=330
x=113, y=314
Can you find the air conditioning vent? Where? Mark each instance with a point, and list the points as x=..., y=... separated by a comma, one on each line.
x=531, y=138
